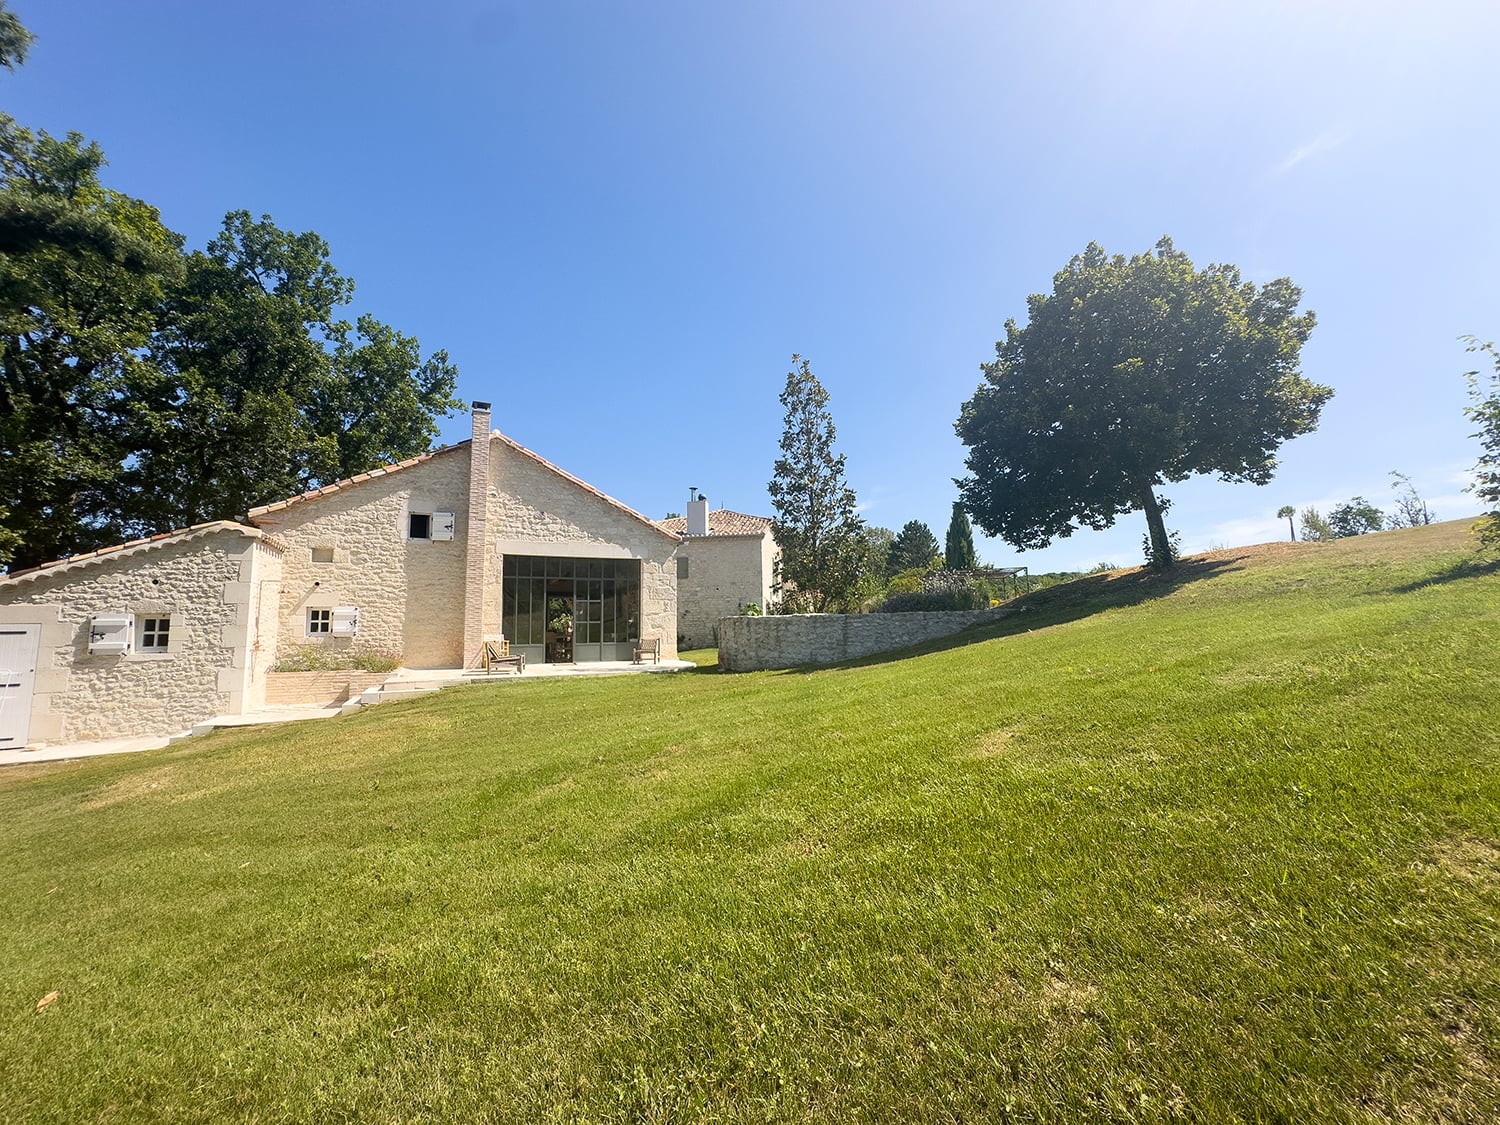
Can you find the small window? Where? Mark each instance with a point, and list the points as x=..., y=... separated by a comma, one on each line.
x=322, y=554
x=419, y=525
x=682, y=567
x=152, y=633
x=319, y=622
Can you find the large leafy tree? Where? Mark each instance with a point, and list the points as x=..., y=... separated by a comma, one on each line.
x=1133, y=373
x=915, y=547
x=260, y=391
x=816, y=527
x=1357, y=516
x=142, y=389
x=959, y=554
x=15, y=40
x=83, y=271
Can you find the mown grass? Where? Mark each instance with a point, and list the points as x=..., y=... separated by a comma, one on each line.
x=1220, y=848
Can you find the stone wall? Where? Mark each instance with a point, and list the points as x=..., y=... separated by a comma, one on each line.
x=409, y=592
x=201, y=582
x=263, y=617
x=750, y=644
x=724, y=572
x=285, y=689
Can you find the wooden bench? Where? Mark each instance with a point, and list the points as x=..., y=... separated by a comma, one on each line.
x=647, y=646
x=497, y=655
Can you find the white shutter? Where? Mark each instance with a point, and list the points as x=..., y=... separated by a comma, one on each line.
x=345, y=621
x=442, y=525
x=110, y=634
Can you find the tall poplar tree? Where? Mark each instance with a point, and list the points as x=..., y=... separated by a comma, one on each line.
x=822, y=551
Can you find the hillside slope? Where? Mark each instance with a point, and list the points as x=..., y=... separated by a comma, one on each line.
x=1219, y=847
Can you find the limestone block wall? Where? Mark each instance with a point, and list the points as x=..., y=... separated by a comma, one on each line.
x=749, y=644
x=286, y=689
x=264, y=614
x=536, y=510
x=201, y=583
x=724, y=573
x=410, y=592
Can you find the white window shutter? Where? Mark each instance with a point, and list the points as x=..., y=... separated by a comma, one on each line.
x=345, y=621
x=442, y=525
x=110, y=634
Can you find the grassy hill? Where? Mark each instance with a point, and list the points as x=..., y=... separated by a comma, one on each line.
x=1220, y=847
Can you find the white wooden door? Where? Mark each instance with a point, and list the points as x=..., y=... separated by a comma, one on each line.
x=18, y=649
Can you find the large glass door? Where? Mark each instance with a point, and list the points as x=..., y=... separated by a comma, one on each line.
x=571, y=609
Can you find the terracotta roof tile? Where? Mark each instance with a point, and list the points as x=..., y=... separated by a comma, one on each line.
x=135, y=546
x=722, y=522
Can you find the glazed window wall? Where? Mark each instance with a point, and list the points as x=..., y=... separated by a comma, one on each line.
x=600, y=596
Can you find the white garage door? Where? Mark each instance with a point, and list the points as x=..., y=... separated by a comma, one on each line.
x=18, y=648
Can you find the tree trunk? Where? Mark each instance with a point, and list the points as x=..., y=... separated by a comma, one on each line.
x=1161, y=546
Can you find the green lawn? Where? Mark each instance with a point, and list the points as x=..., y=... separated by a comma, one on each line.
x=1225, y=847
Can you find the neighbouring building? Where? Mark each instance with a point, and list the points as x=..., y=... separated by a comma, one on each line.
x=425, y=559
x=727, y=561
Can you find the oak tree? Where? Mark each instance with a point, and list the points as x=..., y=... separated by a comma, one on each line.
x=262, y=391
x=83, y=270
x=1356, y=516
x=1133, y=373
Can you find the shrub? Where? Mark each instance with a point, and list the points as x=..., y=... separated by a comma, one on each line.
x=943, y=590
x=317, y=658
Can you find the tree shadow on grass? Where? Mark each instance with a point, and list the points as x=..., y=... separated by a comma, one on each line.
x=1056, y=605
x=1471, y=567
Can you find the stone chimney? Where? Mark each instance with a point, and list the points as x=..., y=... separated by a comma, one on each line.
x=476, y=556
x=697, y=513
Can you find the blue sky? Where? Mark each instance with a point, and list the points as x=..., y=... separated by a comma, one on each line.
x=621, y=220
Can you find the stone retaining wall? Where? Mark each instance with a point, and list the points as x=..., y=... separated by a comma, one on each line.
x=751, y=644
x=286, y=689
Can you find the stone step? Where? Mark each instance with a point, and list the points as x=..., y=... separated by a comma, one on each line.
x=388, y=694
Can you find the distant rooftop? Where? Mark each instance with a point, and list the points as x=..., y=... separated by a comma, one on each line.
x=721, y=522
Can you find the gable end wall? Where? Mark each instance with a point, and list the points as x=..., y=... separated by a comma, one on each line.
x=204, y=585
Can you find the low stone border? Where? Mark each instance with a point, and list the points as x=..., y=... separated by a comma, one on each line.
x=752, y=644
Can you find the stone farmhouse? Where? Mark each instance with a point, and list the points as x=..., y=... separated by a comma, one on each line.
x=727, y=561
x=425, y=559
